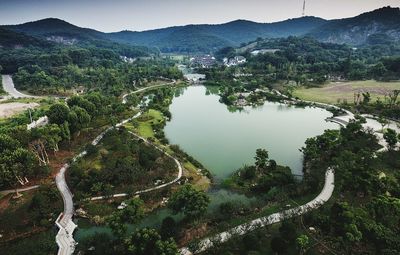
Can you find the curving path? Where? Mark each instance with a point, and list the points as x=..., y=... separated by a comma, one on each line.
x=64, y=237
x=9, y=191
x=242, y=229
x=178, y=164
x=8, y=86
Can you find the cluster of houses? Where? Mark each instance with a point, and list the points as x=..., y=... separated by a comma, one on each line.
x=238, y=60
x=207, y=61
x=204, y=61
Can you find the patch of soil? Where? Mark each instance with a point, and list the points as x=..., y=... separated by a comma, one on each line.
x=33, y=230
x=5, y=202
x=58, y=159
x=345, y=87
x=193, y=233
x=10, y=109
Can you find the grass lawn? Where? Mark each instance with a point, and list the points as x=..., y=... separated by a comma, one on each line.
x=333, y=93
x=146, y=121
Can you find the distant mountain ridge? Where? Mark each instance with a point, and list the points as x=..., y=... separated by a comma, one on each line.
x=357, y=30
x=55, y=27
x=12, y=39
x=381, y=23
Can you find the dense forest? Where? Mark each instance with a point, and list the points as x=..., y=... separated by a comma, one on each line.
x=310, y=62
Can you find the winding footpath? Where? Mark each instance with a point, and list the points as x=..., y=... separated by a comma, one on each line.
x=242, y=229
x=64, y=237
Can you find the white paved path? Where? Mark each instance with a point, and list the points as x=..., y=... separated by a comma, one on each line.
x=8, y=86
x=242, y=229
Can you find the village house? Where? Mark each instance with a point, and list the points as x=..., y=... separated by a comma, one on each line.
x=238, y=60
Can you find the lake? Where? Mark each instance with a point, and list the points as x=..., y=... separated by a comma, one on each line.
x=224, y=140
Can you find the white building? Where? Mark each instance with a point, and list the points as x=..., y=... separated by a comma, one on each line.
x=42, y=121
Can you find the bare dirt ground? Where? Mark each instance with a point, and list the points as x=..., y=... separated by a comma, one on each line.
x=10, y=109
x=332, y=93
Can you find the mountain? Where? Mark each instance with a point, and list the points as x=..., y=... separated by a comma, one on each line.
x=52, y=28
x=12, y=39
x=381, y=24
x=211, y=37
x=190, y=38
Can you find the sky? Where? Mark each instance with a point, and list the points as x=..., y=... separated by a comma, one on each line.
x=139, y=15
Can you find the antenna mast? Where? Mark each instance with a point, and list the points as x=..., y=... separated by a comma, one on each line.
x=304, y=8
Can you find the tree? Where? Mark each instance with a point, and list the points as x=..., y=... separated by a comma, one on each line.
x=118, y=227
x=132, y=100
x=168, y=228
x=65, y=132
x=302, y=243
x=132, y=213
x=193, y=203
x=288, y=231
x=393, y=97
x=382, y=121
x=15, y=162
x=58, y=113
x=148, y=242
x=261, y=158
x=272, y=164
x=79, y=118
x=390, y=137
x=366, y=97
x=44, y=203
x=278, y=245
x=378, y=70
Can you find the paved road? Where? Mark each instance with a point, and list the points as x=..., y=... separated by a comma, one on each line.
x=8, y=86
x=146, y=88
x=323, y=197
x=64, y=238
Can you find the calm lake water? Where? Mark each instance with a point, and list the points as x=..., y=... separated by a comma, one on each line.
x=155, y=218
x=223, y=140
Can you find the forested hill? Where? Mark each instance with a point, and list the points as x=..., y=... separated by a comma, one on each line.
x=55, y=31
x=56, y=27
x=371, y=27
x=11, y=39
x=190, y=38
x=212, y=37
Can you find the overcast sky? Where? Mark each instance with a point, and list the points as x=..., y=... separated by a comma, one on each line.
x=116, y=15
